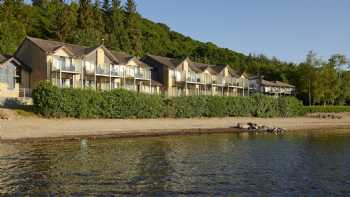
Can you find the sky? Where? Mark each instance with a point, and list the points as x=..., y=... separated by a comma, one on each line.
x=286, y=29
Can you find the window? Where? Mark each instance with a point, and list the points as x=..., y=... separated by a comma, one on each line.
x=90, y=67
x=8, y=75
x=177, y=75
x=60, y=62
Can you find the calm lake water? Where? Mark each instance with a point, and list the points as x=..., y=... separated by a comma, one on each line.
x=302, y=164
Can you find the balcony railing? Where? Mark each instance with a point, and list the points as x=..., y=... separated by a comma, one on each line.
x=117, y=73
x=102, y=70
x=194, y=78
x=71, y=68
x=143, y=75
x=130, y=72
x=65, y=64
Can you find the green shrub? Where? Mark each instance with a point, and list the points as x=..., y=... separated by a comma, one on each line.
x=290, y=106
x=264, y=106
x=47, y=100
x=238, y=106
x=51, y=101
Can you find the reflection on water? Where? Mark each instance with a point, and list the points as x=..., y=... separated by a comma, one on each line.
x=220, y=165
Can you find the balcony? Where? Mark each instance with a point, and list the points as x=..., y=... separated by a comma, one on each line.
x=241, y=83
x=194, y=78
x=130, y=72
x=117, y=71
x=208, y=79
x=71, y=68
x=66, y=68
x=65, y=64
x=146, y=75
x=102, y=70
x=89, y=68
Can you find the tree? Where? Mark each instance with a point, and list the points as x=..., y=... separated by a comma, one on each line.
x=10, y=8
x=338, y=60
x=345, y=88
x=65, y=20
x=330, y=83
x=41, y=3
x=12, y=30
x=106, y=6
x=98, y=17
x=118, y=36
x=133, y=27
x=308, y=77
x=85, y=15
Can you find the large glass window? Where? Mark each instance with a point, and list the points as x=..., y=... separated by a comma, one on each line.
x=8, y=75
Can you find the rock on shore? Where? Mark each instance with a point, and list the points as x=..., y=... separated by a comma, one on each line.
x=254, y=127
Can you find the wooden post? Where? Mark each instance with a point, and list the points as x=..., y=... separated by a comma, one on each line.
x=248, y=89
x=95, y=78
x=150, y=85
x=124, y=76
x=60, y=76
x=243, y=87
x=135, y=85
x=110, y=77
x=82, y=74
x=185, y=83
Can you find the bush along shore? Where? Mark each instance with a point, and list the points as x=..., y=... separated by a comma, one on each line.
x=53, y=102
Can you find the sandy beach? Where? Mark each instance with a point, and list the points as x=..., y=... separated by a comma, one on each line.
x=23, y=128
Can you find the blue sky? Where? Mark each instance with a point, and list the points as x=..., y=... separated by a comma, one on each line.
x=287, y=29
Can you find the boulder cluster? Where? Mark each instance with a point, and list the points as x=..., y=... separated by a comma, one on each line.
x=254, y=127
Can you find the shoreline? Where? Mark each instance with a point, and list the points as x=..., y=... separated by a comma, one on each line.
x=35, y=128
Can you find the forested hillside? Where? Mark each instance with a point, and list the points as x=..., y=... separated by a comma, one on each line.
x=120, y=27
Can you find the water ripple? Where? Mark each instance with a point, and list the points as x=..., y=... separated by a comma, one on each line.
x=205, y=165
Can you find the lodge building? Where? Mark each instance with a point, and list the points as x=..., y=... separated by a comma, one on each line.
x=98, y=68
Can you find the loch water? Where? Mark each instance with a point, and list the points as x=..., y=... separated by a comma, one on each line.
x=293, y=164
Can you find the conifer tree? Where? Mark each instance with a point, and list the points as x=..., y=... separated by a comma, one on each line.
x=65, y=20
x=118, y=39
x=98, y=17
x=106, y=6
x=133, y=27
x=12, y=30
x=41, y=3
x=85, y=14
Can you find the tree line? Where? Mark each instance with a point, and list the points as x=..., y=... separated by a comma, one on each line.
x=119, y=26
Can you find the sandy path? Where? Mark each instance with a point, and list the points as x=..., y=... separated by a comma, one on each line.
x=22, y=128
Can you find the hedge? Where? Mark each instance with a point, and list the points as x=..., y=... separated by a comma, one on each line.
x=327, y=109
x=51, y=101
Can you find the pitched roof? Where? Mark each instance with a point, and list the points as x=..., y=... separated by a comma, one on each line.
x=201, y=67
x=280, y=83
x=51, y=46
x=166, y=61
x=276, y=83
x=122, y=57
x=15, y=61
x=4, y=58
